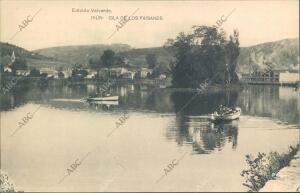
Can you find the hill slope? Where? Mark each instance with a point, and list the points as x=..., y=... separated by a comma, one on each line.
x=80, y=54
x=34, y=60
x=283, y=54
x=138, y=56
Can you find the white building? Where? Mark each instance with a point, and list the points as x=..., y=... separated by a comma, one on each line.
x=22, y=72
x=288, y=76
x=162, y=76
x=91, y=74
x=128, y=75
x=7, y=69
x=50, y=72
x=117, y=71
x=144, y=72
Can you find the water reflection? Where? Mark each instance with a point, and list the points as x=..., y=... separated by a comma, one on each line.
x=204, y=135
x=216, y=136
x=158, y=125
x=282, y=103
x=186, y=108
x=189, y=103
x=194, y=128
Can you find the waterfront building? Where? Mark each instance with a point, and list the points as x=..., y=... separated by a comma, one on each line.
x=162, y=76
x=144, y=72
x=91, y=74
x=288, y=76
x=117, y=72
x=22, y=72
x=276, y=77
x=128, y=75
x=7, y=69
x=50, y=72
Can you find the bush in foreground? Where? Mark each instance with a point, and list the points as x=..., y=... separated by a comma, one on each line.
x=265, y=167
x=6, y=184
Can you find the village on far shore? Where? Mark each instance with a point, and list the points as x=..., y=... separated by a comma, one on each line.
x=115, y=67
x=270, y=76
x=148, y=65
x=115, y=72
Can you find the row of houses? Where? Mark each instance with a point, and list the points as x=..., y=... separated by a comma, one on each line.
x=275, y=76
x=118, y=72
x=124, y=73
x=48, y=71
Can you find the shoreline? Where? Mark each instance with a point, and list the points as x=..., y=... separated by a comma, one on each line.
x=273, y=171
x=152, y=83
x=287, y=179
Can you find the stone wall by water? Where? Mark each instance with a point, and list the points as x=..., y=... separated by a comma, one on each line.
x=287, y=179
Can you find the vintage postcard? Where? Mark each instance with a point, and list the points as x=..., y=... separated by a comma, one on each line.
x=149, y=96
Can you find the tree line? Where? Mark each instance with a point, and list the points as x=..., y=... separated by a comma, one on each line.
x=204, y=53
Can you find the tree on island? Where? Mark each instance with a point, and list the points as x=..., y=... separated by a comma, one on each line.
x=233, y=52
x=202, y=55
x=151, y=60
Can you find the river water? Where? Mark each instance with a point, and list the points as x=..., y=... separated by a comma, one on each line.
x=159, y=126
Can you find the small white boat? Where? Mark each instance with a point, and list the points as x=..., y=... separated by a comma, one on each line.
x=232, y=114
x=104, y=98
x=107, y=103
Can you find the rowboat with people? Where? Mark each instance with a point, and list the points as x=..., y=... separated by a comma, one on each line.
x=226, y=114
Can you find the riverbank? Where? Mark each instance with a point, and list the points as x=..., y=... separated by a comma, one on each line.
x=11, y=82
x=290, y=84
x=266, y=167
x=38, y=81
x=287, y=179
x=210, y=88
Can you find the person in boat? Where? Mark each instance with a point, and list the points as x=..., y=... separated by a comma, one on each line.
x=222, y=110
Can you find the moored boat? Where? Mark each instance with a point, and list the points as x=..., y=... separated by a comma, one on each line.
x=104, y=98
x=107, y=103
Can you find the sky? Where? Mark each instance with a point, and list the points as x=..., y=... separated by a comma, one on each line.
x=57, y=24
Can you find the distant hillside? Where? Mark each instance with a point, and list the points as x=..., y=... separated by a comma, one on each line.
x=7, y=49
x=283, y=54
x=34, y=60
x=138, y=56
x=80, y=54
